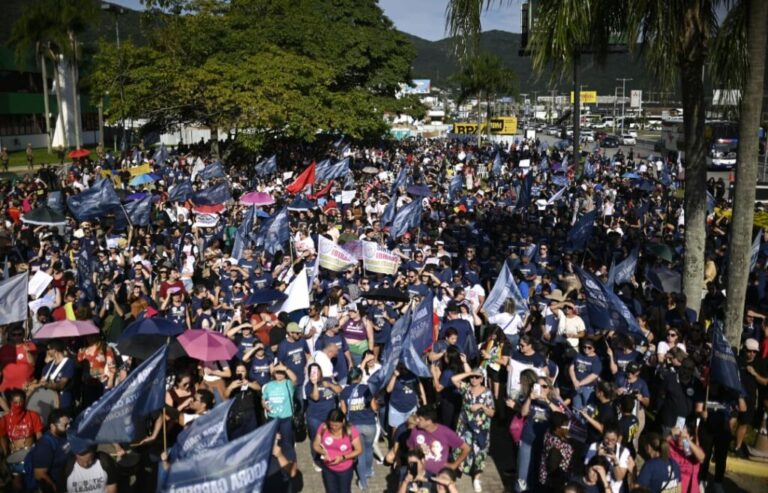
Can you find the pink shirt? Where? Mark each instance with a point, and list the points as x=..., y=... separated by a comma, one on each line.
x=337, y=447
x=689, y=467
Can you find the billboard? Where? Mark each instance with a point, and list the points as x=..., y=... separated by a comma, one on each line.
x=503, y=125
x=587, y=97
x=422, y=86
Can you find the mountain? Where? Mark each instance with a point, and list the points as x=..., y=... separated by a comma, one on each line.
x=435, y=60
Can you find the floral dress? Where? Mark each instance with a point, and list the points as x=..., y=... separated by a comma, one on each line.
x=474, y=428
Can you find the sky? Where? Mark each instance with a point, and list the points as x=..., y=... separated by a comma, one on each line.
x=426, y=18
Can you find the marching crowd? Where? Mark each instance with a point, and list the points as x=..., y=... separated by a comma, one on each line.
x=547, y=289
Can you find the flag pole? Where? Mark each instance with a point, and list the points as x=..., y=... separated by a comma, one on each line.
x=165, y=434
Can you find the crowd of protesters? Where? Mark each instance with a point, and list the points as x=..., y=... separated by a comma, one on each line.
x=580, y=407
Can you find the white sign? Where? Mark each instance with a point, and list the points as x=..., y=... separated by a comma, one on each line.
x=635, y=98
x=378, y=259
x=38, y=283
x=206, y=220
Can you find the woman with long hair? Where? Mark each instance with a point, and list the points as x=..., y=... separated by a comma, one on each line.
x=338, y=444
x=659, y=472
x=474, y=425
x=493, y=354
x=453, y=363
x=321, y=392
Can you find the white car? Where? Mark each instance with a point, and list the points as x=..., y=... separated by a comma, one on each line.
x=628, y=140
x=588, y=136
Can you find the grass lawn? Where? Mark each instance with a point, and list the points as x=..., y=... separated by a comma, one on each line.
x=18, y=159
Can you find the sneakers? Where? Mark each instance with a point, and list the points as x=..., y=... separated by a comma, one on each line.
x=317, y=468
x=361, y=486
x=477, y=485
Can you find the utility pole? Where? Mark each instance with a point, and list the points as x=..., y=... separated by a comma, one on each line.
x=623, y=98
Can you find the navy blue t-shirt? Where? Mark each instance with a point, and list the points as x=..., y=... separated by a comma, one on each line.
x=259, y=370
x=658, y=474
x=319, y=409
x=293, y=355
x=586, y=365
x=405, y=394
x=358, y=399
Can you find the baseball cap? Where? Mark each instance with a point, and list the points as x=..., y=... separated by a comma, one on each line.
x=752, y=345
x=633, y=367
x=293, y=327
x=331, y=322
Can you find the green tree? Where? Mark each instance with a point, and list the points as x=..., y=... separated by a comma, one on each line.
x=486, y=78
x=273, y=68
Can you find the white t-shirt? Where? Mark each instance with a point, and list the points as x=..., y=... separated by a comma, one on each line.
x=90, y=480
x=307, y=324
x=510, y=323
x=622, y=454
x=326, y=365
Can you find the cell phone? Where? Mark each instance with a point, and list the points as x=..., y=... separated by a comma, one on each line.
x=413, y=469
x=680, y=423
x=537, y=389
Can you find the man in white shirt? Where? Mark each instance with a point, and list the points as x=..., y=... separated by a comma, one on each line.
x=90, y=471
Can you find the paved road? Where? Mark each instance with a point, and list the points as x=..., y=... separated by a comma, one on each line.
x=385, y=481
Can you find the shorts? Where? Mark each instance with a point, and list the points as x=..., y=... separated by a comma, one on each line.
x=396, y=418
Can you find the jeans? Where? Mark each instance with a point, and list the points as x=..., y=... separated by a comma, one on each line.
x=581, y=397
x=287, y=445
x=338, y=482
x=523, y=465
x=312, y=425
x=365, y=460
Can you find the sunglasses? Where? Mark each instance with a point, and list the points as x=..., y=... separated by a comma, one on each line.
x=671, y=334
x=589, y=347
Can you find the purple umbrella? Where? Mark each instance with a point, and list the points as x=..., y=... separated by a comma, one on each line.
x=257, y=198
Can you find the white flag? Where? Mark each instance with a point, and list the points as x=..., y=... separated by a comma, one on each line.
x=298, y=294
x=13, y=299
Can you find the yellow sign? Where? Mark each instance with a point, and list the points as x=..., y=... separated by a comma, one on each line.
x=140, y=170
x=503, y=125
x=587, y=97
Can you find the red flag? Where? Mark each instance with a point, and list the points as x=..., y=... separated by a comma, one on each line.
x=307, y=177
x=325, y=190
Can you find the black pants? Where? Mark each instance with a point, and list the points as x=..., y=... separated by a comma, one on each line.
x=715, y=438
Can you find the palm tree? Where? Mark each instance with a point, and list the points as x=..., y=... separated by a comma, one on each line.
x=672, y=35
x=484, y=77
x=749, y=33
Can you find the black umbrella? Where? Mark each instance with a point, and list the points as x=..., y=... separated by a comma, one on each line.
x=387, y=294
x=265, y=296
x=144, y=346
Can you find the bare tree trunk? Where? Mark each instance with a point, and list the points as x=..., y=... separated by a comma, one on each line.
x=75, y=92
x=695, y=204
x=60, y=103
x=576, y=110
x=479, y=118
x=46, y=104
x=214, y=141
x=740, y=245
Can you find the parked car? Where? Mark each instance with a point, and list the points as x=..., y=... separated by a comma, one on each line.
x=628, y=139
x=587, y=136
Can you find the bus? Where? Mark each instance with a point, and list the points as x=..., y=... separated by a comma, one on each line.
x=722, y=140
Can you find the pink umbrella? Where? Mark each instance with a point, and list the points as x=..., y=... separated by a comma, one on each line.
x=257, y=198
x=66, y=328
x=206, y=345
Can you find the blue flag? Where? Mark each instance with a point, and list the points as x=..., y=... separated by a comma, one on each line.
x=391, y=354
x=755, y=250
x=557, y=196
x=622, y=272
x=180, y=192
x=139, y=212
x=401, y=181
x=267, y=166
x=589, y=169
x=606, y=310
x=504, y=288
x=710, y=203
x=161, y=154
x=206, y=432
x=524, y=199
x=274, y=232
x=243, y=233
x=96, y=201
x=118, y=415
x=560, y=180
x=581, y=232
x=420, y=330
x=388, y=216
x=333, y=171
x=497, y=163
x=723, y=369
x=84, y=264
x=215, y=170
x=454, y=188
x=406, y=218
x=217, y=194
x=666, y=179
x=239, y=466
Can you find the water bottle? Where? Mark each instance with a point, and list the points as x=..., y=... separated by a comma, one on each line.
x=686, y=447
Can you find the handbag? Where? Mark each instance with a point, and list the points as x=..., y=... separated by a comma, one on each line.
x=516, y=428
x=299, y=424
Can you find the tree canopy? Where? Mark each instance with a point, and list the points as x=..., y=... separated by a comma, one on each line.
x=281, y=68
